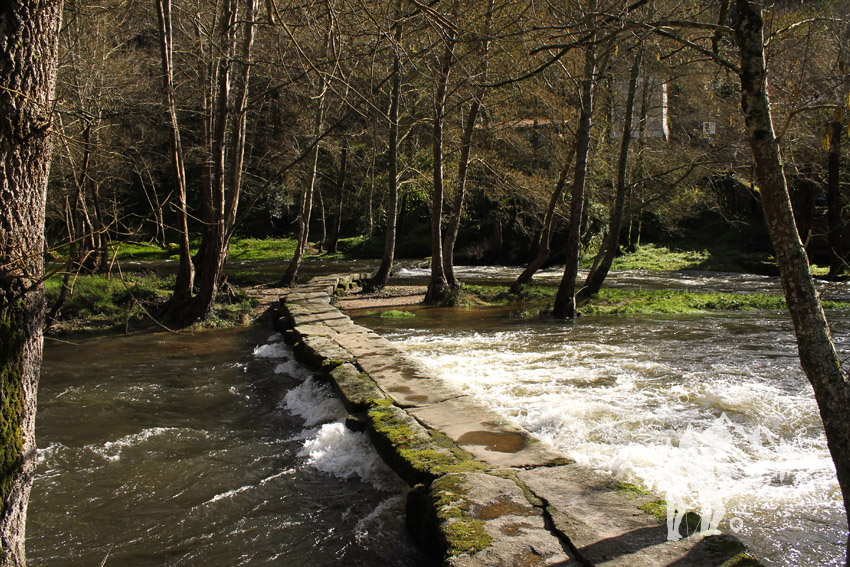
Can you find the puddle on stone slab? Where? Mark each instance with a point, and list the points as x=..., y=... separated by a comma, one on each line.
x=503, y=506
x=499, y=441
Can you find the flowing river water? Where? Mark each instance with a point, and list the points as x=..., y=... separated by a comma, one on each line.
x=211, y=449
x=217, y=449
x=711, y=411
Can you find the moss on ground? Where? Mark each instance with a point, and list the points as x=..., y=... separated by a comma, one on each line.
x=99, y=303
x=670, y=301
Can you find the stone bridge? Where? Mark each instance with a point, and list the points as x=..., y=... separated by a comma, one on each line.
x=484, y=492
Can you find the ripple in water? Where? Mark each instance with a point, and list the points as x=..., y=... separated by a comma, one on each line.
x=212, y=449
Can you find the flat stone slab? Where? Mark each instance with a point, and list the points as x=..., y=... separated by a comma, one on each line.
x=609, y=529
x=405, y=380
x=357, y=389
x=367, y=343
x=486, y=434
x=486, y=521
x=319, y=350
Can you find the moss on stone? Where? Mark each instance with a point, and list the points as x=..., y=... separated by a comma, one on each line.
x=730, y=550
x=330, y=364
x=461, y=532
x=415, y=453
x=631, y=489
x=657, y=508
x=465, y=536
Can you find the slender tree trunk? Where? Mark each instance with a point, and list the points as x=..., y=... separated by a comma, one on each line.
x=598, y=274
x=565, y=302
x=322, y=219
x=340, y=193
x=636, y=211
x=229, y=127
x=382, y=275
x=545, y=243
x=453, y=225
x=833, y=199
x=291, y=273
x=438, y=287
x=29, y=32
x=182, y=291
x=817, y=352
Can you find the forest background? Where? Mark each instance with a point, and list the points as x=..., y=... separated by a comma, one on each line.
x=184, y=126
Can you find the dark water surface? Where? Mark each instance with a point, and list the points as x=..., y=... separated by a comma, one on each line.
x=178, y=449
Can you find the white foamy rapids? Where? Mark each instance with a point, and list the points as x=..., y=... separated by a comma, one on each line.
x=719, y=439
x=111, y=450
x=315, y=403
x=274, y=351
x=293, y=369
x=338, y=451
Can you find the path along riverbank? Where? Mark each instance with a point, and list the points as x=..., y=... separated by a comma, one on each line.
x=484, y=492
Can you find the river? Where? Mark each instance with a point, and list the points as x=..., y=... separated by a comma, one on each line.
x=211, y=449
x=712, y=411
x=216, y=449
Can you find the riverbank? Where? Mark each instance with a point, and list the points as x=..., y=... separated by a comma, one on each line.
x=484, y=491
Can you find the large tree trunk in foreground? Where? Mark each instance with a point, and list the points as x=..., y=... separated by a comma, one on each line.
x=29, y=31
x=597, y=275
x=817, y=353
x=565, y=301
x=545, y=244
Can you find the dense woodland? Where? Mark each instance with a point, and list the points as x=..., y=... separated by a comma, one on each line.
x=186, y=123
x=489, y=131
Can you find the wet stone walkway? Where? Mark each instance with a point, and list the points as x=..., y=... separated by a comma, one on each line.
x=484, y=492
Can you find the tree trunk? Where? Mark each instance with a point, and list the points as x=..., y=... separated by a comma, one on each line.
x=598, y=274
x=340, y=193
x=322, y=219
x=438, y=287
x=545, y=243
x=565, y=302
x=833, y=199
x=463, y=165
x=817, y=353
x=291, y=273
x=29, y=32
x=383, y=274
x=182, y=291
x=228, y=140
